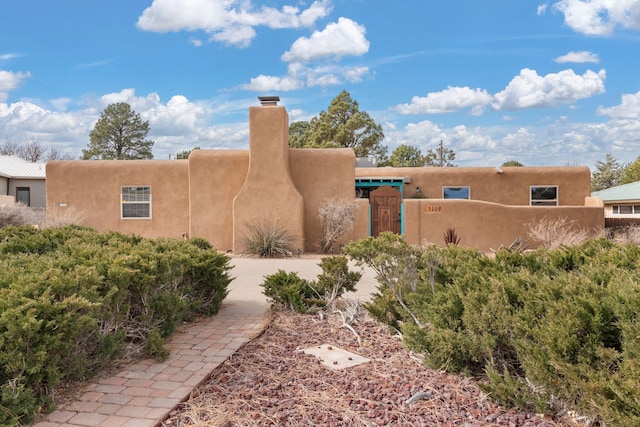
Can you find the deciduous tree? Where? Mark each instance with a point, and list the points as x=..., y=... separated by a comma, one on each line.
x=119, y=134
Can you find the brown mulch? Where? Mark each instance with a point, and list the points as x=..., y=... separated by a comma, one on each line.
x=271, y=382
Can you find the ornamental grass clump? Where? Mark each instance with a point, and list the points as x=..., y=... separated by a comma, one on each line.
x=267, y=239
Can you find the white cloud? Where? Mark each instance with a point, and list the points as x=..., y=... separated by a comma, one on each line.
x=629, y=108
x=196, y=41
x=264, y=83
x=529, y=90
x=300, y=76
x=600, y=17
x=176, y=125
x=344, y=38
x=578, y=57
x=229, y=21
x=8, y=56
x=10, y=81
x=542, y=9
x=446, y=101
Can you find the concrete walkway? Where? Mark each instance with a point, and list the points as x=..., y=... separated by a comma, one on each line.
x=143, y=394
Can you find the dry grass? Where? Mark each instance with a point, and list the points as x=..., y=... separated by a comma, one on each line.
x=19, y=214
x=68, y=216
x=555, y=233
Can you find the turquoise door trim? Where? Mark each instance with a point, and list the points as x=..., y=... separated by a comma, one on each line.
x=379, y=182
x=401, y=219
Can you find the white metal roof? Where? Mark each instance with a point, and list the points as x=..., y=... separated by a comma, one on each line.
x=17, y=168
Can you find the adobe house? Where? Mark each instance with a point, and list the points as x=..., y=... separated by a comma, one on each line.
x=215, y=194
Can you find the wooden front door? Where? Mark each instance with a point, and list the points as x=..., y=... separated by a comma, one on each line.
x=385, y=210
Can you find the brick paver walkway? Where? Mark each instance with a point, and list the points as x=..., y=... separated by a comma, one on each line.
x=143, y=394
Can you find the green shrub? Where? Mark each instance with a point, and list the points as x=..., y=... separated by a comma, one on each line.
x=289, y=291
x=72, y=299
x=335, y=279
x=548, y=331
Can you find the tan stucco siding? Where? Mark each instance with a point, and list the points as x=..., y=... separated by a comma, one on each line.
x=93, y=188
x=485, y=225
x=215, y=177
x=510, y=187
x=321, y=174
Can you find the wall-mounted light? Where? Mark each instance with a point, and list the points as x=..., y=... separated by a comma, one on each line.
x=418, y=191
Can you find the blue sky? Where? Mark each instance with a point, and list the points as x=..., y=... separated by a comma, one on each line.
x=555, y=83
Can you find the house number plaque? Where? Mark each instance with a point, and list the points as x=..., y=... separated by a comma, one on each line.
x=431, y=209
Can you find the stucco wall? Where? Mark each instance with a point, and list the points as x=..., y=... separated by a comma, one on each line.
x=321, y=174
x=92, y=187
x=215, y=177
x=486, y=225
x=511, y=187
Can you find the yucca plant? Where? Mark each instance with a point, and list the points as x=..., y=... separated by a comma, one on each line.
x=267, y=239
x=451, y=237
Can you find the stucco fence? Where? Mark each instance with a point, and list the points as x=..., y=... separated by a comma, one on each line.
x=485, y=225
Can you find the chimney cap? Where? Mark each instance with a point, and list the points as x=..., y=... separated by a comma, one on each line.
x=269, y=100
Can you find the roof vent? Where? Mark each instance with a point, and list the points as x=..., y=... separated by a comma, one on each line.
x=269, y=100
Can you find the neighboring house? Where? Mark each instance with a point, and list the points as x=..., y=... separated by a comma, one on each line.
x=621, y=204
x=23, y=181
x=218, y=194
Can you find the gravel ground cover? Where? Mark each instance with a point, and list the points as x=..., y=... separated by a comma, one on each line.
x=272, y=382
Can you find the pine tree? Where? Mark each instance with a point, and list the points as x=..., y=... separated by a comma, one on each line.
x=607, y=174
x=119, y=134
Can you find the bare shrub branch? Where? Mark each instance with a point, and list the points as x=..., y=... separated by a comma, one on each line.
x=337, y=217
x=554, y=233
x=69, y=216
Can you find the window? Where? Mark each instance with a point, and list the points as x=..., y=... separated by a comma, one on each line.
x=23, y=195
x=136, y=202
x=455, y=192
x=544, y=196
x=626, y=209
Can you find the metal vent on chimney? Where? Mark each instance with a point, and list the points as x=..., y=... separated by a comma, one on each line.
x=269, y=100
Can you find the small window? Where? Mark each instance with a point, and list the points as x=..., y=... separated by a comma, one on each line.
x=136, y=202
x=626, y=209
x=23, y=195
x=544, y=196
x=455, y=192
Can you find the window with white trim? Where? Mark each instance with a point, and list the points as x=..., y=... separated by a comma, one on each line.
x=625, y=209
x=544, y=195
x=136, y=202
x=456, y=193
